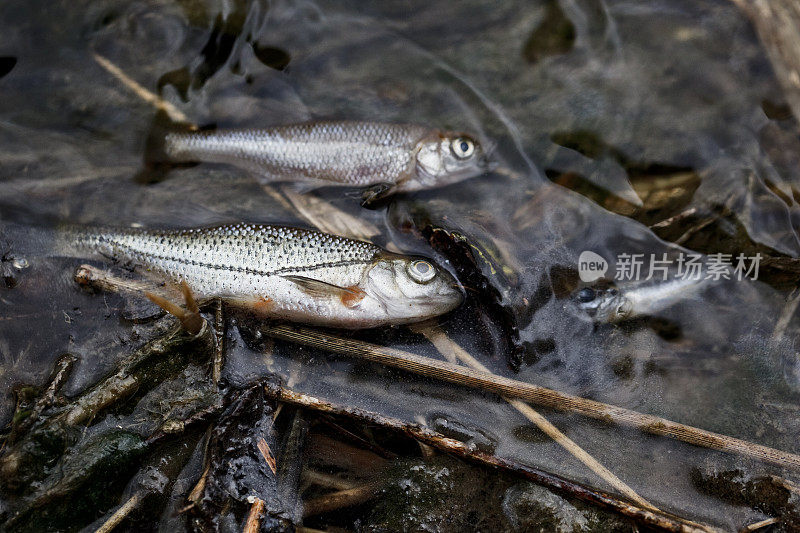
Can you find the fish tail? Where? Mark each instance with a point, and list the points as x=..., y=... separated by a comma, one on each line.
x=20, y=242
x=160, y=155
x=64, y=240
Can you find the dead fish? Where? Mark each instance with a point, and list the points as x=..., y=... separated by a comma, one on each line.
x=282, y=272
x=609, y=304
x=388, y=157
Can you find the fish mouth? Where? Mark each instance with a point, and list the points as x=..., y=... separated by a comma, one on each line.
x=438, y=304
x=452, y=299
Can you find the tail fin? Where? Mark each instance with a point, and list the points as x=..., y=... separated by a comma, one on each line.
x=18, y=241
x=21, y=246
x=157, y=162
x=26, y=243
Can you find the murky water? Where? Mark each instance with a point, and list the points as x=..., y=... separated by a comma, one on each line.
x=613, y=116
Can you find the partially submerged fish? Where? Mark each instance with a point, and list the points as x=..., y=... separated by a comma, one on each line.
x=608, y=303
x=390, y=157
x=289, y=273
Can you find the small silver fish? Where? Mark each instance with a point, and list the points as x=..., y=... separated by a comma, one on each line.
x=399, y=157
x=289, y=273
x=609, y=304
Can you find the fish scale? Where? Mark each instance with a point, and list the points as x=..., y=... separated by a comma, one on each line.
x=235, y=260
x=282, y=272
x=347, y=153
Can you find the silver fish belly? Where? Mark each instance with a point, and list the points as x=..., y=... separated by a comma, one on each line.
x=282, y=272
x=348, y=153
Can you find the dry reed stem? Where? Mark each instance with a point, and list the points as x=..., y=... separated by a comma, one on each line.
x=449, y=349
x=660, y=520
x=120, y=514
x=175, y=114
x=339, y=499
x=759, y=525
x=531, y=393
x=266, y=453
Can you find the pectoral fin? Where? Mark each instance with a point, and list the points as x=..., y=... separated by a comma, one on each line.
x=350, y=296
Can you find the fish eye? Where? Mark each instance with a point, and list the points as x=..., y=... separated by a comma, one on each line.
x=586, y=295
x=421, y=271
x=463, y=147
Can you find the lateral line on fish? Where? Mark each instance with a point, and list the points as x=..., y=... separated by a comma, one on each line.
x=243, y=270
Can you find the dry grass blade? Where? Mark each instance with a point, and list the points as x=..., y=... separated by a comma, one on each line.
x=173, y=112
x=340, y=499
x=759, y=525
x=535, y=394
x=328, y=218
x=263, y=447
x=649, y=518
x=120, y=514
x=197, y=491
x=451, y=350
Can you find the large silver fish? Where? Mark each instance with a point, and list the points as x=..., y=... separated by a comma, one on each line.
x=289, y=273
x=399, y=157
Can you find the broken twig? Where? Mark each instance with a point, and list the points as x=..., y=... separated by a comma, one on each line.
x=532, y=393
x=253, y=524
x=463, y=450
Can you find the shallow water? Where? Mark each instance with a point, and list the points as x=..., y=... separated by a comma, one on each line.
x=628, y=100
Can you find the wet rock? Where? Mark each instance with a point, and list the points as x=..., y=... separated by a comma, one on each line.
x=442, y=494
x=80, y=484
x=533, y=508
x=768, y=494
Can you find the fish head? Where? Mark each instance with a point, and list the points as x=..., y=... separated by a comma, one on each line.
x=446, y=158
x=603, y=304
x=408, y=289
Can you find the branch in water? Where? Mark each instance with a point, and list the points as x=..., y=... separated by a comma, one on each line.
x=531, y=393
x=462, y=450
x=452, y=351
